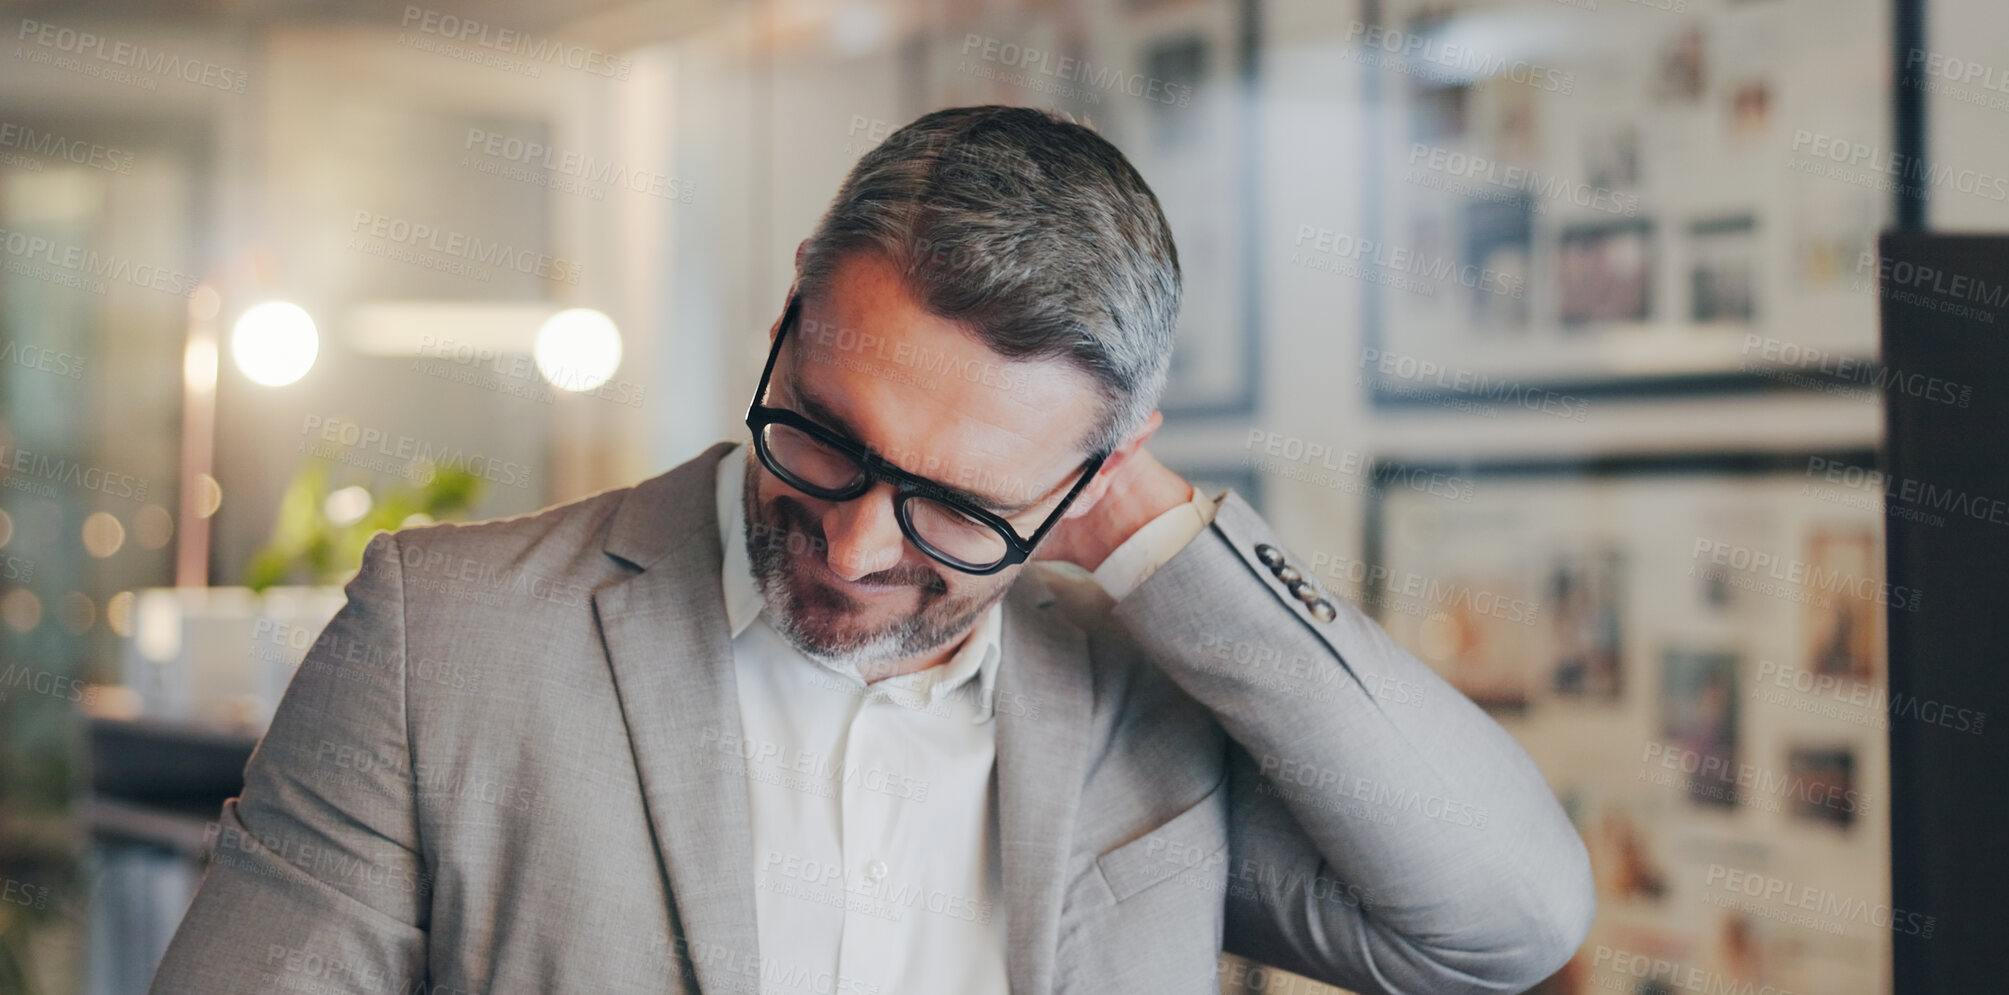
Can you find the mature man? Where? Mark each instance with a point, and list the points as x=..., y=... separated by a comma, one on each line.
x=803, y=716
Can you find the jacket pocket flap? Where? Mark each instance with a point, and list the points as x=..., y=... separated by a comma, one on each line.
x=1192, y=840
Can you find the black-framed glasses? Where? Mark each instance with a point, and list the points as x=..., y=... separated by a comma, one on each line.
x=825, y=465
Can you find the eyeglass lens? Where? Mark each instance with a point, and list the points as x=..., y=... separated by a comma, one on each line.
x=948, y=530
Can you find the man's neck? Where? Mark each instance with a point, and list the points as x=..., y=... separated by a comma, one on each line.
x=881, y=670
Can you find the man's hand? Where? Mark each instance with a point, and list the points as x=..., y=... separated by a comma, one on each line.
x=1140, y=489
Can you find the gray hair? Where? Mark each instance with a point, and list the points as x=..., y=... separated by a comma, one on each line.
x=1030, y=229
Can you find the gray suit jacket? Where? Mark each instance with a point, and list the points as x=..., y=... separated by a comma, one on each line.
x=489, y=775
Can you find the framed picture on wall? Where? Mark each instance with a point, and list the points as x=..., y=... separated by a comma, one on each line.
x=1689, y=646
x=1611, y=175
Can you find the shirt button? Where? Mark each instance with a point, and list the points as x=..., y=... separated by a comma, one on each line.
x=876, y=870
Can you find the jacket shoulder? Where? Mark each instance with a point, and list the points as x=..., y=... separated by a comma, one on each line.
x=563, y=538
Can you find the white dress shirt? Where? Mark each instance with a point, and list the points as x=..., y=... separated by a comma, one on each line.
x=873, y=811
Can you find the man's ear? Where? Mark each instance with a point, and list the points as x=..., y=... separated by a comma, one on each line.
x=1092, y=494
x=1135, y=441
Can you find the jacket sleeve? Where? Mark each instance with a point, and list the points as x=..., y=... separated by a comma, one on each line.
x=1385, y=834
x=316, y=880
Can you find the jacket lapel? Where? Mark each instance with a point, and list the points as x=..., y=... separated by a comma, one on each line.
x=671, y=653
x=1043, y=706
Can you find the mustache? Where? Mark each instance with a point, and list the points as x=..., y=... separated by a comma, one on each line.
x=793, y=517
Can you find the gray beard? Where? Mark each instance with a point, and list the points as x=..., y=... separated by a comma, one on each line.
x=938, y=619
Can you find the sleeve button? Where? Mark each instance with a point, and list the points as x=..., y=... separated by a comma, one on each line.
x=1288, y=575
x=1270, y=555
x=1304, y=592
x=1323, y=610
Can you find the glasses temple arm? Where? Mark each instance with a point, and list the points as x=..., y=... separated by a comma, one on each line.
x=1054, y=519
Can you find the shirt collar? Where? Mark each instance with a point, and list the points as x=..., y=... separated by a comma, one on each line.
x=927, y=689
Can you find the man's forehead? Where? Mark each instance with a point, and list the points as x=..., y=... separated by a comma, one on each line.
x=1001, y=493
x=941, y=358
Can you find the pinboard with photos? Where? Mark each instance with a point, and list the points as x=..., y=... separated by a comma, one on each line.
x=1624, y=196
x=1715, y=624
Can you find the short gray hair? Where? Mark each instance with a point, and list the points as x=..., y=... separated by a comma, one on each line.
x=1032, y=230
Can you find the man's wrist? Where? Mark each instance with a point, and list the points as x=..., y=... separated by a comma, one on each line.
x=1152, y=546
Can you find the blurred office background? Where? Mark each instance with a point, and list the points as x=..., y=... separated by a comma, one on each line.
x=1547, y=329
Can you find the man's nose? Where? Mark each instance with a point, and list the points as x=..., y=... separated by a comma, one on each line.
x=863, y=533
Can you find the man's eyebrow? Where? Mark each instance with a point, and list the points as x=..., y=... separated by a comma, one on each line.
x=821, y=412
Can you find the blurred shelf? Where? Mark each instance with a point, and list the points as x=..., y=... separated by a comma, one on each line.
x=186, y=835
x=164, y=762
x=161, y=782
